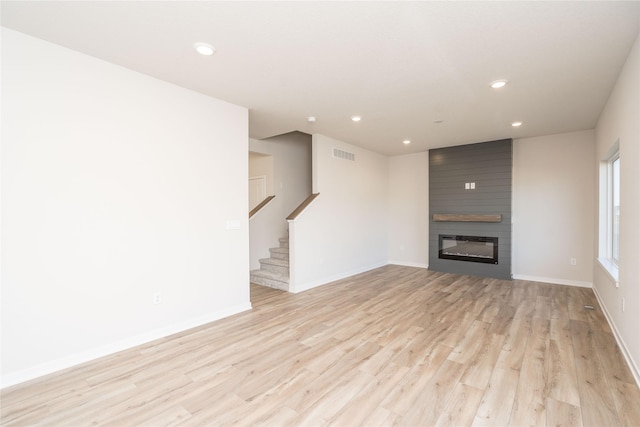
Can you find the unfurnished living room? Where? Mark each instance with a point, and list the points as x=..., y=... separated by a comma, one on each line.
x=320, y=213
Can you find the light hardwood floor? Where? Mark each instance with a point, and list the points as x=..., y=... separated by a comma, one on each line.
x=393, y=346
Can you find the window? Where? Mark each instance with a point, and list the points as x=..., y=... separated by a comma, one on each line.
x=609, y=208
x=615, y=208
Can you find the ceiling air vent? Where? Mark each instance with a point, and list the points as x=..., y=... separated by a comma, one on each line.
x=341, y=154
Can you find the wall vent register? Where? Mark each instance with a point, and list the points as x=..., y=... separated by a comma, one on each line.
x=341, y=154
x=468, y=248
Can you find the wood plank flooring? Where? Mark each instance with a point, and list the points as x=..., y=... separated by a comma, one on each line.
x=393, y=346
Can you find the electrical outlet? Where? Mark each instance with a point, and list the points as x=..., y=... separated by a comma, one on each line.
x=157, y=298
x=623, y=305
x=573, y=261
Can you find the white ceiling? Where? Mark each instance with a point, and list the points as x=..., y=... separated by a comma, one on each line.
x=400, y=65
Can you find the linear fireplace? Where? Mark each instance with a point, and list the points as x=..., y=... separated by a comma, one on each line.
x=468, y=248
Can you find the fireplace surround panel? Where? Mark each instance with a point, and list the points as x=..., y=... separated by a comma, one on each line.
x=460, y=210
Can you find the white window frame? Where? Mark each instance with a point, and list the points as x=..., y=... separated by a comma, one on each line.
x=606, y=217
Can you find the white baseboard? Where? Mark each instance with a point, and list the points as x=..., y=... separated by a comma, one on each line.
x=114, y=347
x=553, y=281
x=325, y=281
x=623, y=346
x=410, y=264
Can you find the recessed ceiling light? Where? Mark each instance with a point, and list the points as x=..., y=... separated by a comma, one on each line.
x=406, y=142
x=204, y=49
x=516, y=124
x=498, y=84
x=356, y=118
x=311, y=119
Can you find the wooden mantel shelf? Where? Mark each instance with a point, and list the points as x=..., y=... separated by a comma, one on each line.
x=468, y=217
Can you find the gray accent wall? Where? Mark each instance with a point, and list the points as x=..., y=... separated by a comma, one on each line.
x=489, y=166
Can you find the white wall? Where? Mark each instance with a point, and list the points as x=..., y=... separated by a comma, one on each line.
x=291, y=156
x=409, y=210
x=115, y=186
x=619, y=121
x=553, y=201
x=345, y=230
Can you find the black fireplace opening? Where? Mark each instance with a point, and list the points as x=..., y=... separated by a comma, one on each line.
x=468, y=248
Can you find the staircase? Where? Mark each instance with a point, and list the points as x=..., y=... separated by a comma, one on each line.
x=274, y=271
